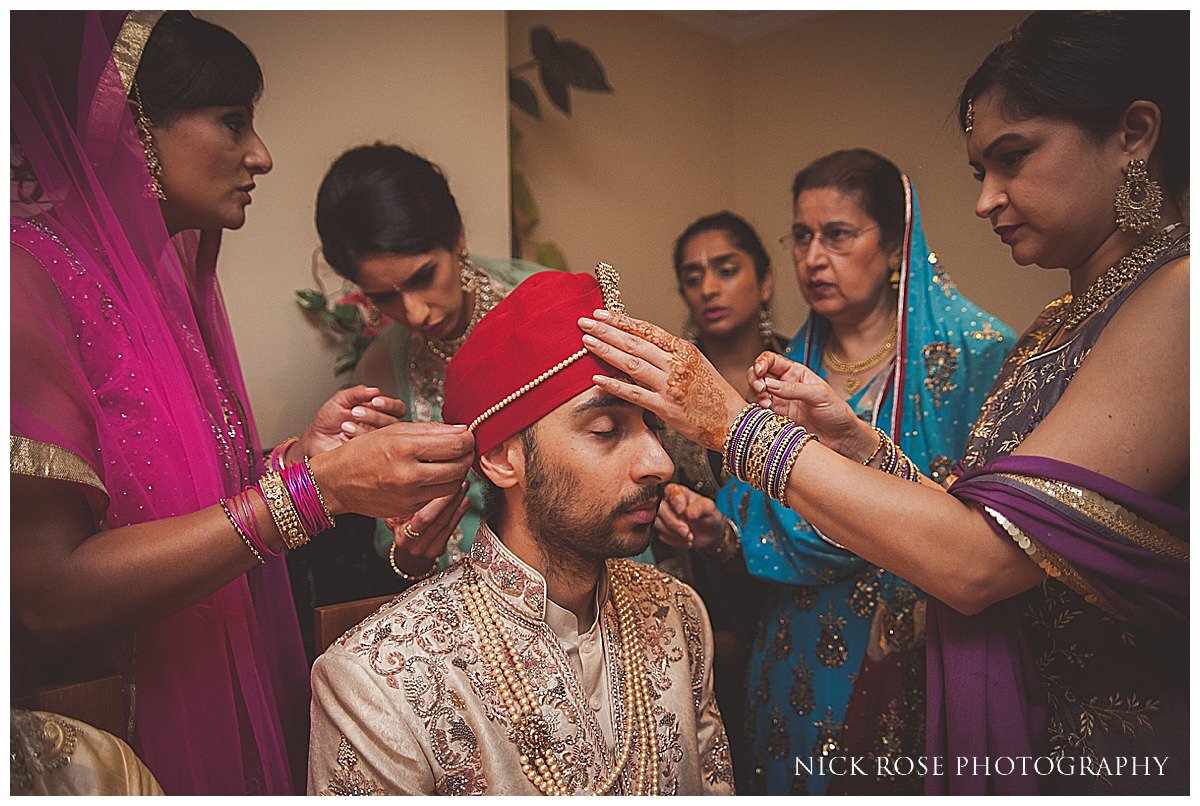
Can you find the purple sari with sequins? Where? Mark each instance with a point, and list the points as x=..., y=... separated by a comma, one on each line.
x=125, y=383
x=1090, y=667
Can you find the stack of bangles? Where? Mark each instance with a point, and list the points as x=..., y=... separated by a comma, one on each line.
x=761, y=449
x=291, y=496
x=892, y=459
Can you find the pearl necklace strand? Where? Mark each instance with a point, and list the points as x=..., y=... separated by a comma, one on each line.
x=529, y=729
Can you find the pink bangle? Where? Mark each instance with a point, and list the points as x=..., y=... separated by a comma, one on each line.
x=241, y=515
x=298, y=479
x=279, y=454
x=245, y=509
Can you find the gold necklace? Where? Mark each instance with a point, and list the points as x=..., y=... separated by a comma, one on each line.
x=856, y=368
x=1117, y=277
x=530, y=731
x=478, y=283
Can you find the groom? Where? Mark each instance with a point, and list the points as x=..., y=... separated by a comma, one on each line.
x=543, y=662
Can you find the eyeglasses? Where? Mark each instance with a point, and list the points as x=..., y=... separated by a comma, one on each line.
x=835, y=238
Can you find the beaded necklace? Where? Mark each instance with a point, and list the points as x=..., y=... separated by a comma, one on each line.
x=530, y=731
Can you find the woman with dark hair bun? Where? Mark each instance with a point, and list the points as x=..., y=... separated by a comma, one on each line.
x=389, y=223
x=147, y=539
x=1056, y=563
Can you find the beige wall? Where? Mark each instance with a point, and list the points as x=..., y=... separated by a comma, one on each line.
x=618, y=179
x=434, y=81
x=698, y=123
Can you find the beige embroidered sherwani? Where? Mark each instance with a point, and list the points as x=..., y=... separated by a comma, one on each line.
x=404, y=703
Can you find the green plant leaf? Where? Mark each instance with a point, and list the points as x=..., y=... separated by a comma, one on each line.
x=521, y=93
x=310, y=300
x=556, y=89
x=346, y=316
x=542, y=42
x=523, y=201
x=584, y=68
x=550, y=256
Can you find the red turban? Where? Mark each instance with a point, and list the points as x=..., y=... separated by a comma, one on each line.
x=524, y=359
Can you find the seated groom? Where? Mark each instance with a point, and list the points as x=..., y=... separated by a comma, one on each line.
x=543, y=662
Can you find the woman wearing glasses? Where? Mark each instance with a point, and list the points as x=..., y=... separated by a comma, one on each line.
x=831, y=619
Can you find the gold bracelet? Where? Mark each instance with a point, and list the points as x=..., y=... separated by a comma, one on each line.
x=878, y=446
x=406, y=576
x=727, y=549
x=245, y=538
x=320, y=498
x=283, y=510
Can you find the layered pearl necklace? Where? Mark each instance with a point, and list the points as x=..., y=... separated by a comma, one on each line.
x=530, y=731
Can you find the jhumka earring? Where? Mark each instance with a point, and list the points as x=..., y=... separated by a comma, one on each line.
x=894, y=272
x=969, y=116
x=155, y=188
x=1138, y=200
x=766, y=328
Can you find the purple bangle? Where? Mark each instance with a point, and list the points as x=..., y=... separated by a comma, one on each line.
x=776, y=482
x=743, y=438
x=298, y=480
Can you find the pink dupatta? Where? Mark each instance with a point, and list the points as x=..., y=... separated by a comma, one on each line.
x=125, y=381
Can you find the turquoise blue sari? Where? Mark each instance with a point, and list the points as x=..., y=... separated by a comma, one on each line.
x=823, y=600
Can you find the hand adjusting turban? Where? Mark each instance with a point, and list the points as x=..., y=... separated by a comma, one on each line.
x=525, y=358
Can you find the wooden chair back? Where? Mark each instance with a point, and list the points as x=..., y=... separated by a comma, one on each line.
x=331, y=621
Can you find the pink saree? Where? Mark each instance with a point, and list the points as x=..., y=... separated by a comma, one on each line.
x=125, y=382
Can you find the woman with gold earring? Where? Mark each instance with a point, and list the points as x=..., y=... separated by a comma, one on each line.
x=1056, y=563
x=389, y=223
x=148, y=541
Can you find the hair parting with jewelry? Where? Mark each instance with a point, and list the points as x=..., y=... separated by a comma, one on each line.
x=736, y=229
x=1088, y=67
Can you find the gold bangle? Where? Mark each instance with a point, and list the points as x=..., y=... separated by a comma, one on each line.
x=320, y=498
x=245, y=538
x=727, y=549
x=283, y=510
x=400, y=572
x=878, y=446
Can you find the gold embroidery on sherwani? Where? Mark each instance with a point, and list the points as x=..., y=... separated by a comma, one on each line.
x=348, y=779
x=423, y=653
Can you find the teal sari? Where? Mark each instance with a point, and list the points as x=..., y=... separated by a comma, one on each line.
x=825, y=605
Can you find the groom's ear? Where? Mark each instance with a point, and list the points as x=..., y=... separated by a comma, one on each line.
x=504, y=465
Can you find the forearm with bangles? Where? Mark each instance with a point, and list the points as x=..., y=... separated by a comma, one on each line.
x=919, y=532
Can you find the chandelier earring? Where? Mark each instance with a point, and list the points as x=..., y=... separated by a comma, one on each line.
x=155, y=189
x=1139, y=199
x=766, y=328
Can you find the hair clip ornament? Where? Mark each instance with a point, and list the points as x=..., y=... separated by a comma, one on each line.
x=610, y=287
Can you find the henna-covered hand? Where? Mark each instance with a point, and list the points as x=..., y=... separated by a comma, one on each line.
x=795, y=391
x=670, y=376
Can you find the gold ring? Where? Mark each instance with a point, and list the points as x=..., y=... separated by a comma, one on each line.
x=409, y=532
